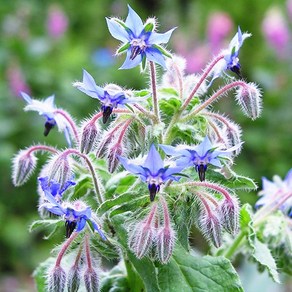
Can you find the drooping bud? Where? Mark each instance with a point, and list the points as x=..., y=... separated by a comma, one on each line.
x=211, y=228
x=91, y=280
x=73, y=281
x=88, y=139
x=56, y=280
x=113, y=154
x=233, y=132
x=165, y=238
x=249, y=99
x=60, y=169
x=24, y=164
x=143, y=234
x=230, y=215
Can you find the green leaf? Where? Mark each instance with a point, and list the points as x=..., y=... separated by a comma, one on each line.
x=259, y=251
x=120, y=182
x=188, y=273
x=44, y=222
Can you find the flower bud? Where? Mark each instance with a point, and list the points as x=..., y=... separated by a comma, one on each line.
x=60, y=169
x=165, y=241
x=113, y=154
x=249, y=99
x=88, y=139
x=73, y=281
x=233, y=133
x=56, y=280
x=211, y=228
x=229, y=210
x=142, y=236
x=91, y=280
x=24, y=164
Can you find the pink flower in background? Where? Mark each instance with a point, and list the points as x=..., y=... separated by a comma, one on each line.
x=16, y=80
x=220, y=26
x=57, y=22
x=275, y=30
x=289, y=9
x=197, y=58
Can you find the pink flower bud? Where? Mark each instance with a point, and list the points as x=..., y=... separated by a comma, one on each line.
x=229, y=210
x=88, y=139
x=56, y=280
x=165, y=241
x=73, y=281
x=91, y=280
x=249, y=99
x=211, y=228
x=142, y=236
x=60, y=169
x=112, y=159
x=24, y=164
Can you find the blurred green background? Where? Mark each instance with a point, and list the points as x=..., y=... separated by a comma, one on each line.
x=46, y=44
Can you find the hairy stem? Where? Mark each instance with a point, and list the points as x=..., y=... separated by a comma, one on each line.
x=41, y=148
x=154, y=92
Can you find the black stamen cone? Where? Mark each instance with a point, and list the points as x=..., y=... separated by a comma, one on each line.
x=236, y=70
x=70, y=226
x=107, y=110
x=153, y=190
x=48, y=127
x=135, y=51
x=202, y=171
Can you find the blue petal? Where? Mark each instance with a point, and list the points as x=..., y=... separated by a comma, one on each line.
x=133, y=168
x=154, y=55
x=204, y=147
x=288, y=178
x=95, y=226
x=117, y=31
x=185, y=161
x=67, y=136
x=49, y=101
x=128, y=64
x=26, y=97
x=170, y=150
x=67, y=185
x=170, y=171
x=89, y=87
x=134, y=22
x=239, y=36
x=216, y=162
x=160, y=38
x=57, y=210
x=80, y=224
x=153, y=160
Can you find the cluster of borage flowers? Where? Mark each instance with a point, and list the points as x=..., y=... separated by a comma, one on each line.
x=215, y=146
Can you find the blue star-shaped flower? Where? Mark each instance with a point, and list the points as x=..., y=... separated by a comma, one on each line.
x=152, y=171
x=274, y=191
x=139, y=40
x=76, y=213
x=199, y=155
x=110, y=98
x=54, y=188
x=230, y=60
x=47, y=109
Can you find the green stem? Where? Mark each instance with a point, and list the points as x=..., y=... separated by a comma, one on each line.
x=234, y=247
x=154, y=92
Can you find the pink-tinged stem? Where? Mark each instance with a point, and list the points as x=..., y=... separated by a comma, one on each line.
x=216, y=95
x=151, y=214
x=165, y=212
x=217, y=132
x=180, y=80
x=92, y=171
x=87, y=252
x=71, y=123
x=65, y=247
x=123, y=131
x=154, y=92
x=41, y=148
x=145, y=112
x=203, y=77
x=204, y=202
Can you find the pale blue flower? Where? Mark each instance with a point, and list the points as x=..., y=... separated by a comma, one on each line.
x=199, y=156
x=47, y=109
x=152, y=171
x=75, y=214
x=230, y=60
x=273, y=192
x=139, y=40
x=110, y=96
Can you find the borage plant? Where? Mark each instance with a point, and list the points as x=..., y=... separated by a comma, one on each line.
x=132, y=192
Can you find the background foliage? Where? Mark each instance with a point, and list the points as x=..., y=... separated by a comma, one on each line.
x=34, y=59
